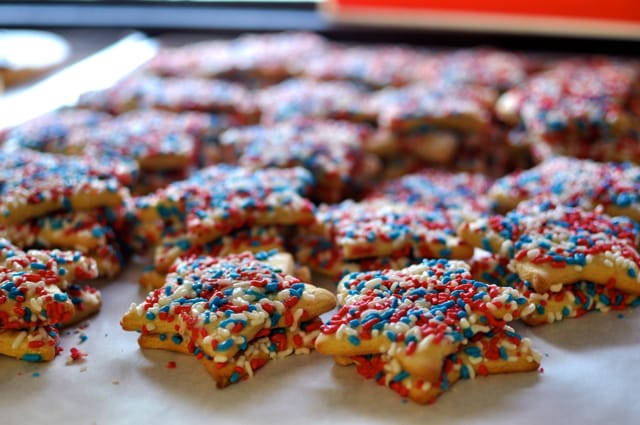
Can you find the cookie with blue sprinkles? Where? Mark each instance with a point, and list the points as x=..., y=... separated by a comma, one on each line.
x=614, y=186
x=552, y=245
x=40, y=344
x=418, y=315
x=380, y=227
x=49, y=132
x=222, y=303
x=500, y=351
x=270, y=344
x=219, y=199
x=253, y=239
x=35, y=184
x=333, y=151
x=572, y=301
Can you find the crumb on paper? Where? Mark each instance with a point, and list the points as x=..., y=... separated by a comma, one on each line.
x=115, y=382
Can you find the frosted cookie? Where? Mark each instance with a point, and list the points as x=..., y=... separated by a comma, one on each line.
x=223, y=303
x=333, y=151
x=35, y=184
x=323, y=257
x=31, y=297
x=32, y=345
x=268, y=345
x=109, y=259
x=493, y=68
x=173, y=94
x=416, y=107
x=551, y=245
x=572, y=301
x=31, y=294
x=576, y=97
x=253, y=239
x=503, y=351
x=86, y=301
x=49, y=132
x=219, y=199
x=70, y=266
x=60, y=267
x=270, y=57
x=276, y=345
x=298, y=98
x=377, y=66
x=418, y=315
x=438, y=189
x=381, y=227
x=81, y=230
x=614, y=186
x=153, y=148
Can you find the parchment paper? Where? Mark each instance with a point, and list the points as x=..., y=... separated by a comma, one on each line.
x=589, y=375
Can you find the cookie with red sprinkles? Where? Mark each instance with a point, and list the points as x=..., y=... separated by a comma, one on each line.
x=552, y=245
x=500, y=351
x=35, y=184
x=174, y=94
x=381, y=227
x=614, y=186
x=300, y=98
x=323, y=257
x=466, y=109
x=439, y=189
x=49, y=132
x=333, y=151
x=266, y=346
x=588, y=97
x=572, y=301
x=252, y=239
x=222, y=303
x=40, y=344
x=418, y=315
x=219, y=199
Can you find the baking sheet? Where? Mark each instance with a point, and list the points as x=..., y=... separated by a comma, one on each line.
x=589, y=375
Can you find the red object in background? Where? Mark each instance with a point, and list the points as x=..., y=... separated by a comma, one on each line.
x=611, y=18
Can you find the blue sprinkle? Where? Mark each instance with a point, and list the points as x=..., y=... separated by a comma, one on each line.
x=32, y=357
x=354, y=340
x=224, y=346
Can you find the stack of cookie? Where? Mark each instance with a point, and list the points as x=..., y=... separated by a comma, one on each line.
x=570, y=244
x=400, y=223
x=38, y=295
x=224, y=209
x=567, y=260
x=587, y=108
x=420, y=329
x=58, y=201
x=234, y=313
